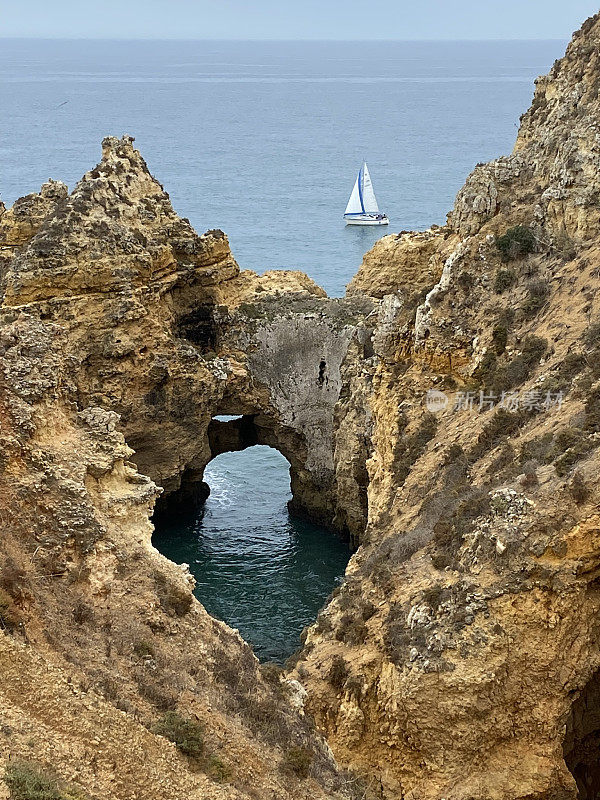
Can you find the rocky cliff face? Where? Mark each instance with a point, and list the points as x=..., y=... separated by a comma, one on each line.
x=445, y=415
x=462, y=650
x=122, y=334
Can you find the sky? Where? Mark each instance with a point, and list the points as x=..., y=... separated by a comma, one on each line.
x=295, y=19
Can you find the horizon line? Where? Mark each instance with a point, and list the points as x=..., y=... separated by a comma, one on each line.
x=272, y=39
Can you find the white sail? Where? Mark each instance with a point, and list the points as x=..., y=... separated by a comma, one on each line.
x=368, y=195
x=355, y=205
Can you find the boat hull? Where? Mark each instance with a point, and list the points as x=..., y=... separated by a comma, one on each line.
x=367, y=219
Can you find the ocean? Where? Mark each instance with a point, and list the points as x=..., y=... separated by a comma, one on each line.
x=264, y=140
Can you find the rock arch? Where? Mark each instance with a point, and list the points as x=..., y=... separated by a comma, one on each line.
x=288, y=392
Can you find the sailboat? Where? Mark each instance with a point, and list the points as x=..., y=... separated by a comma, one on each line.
x=362, y=208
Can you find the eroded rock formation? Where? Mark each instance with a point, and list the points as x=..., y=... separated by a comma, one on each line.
x=462, y=651
x=122, y=334
x=460, y=658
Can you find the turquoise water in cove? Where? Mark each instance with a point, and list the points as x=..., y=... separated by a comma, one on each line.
x=264, y=141
x=262, y=571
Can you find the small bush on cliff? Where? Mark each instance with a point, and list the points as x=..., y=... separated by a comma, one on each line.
x=564, y=246
x=217, y=769
x=505, y=279
x=592, y=411
x=351, y=630
x=297, y=761
x=574, y=445
x=567, y=370
x=13, y=579
x=579, y=489
x=28, y=781
x=448, y=532
x=592, y=336
x=186, y=734
x=143, y=649
x=501, y=425
x=537, y=294
x=272, y=673
x=516, y=243
x=264, y=717
x=156, y=690
x=338, y=673
x=520, y=368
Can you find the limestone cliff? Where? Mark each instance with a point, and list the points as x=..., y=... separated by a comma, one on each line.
x=445, y=415
x=462, y=652
x=122, y=334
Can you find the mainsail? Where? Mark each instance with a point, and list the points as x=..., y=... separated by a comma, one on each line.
x=362, y=200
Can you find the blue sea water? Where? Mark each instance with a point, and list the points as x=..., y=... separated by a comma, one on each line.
x=264, y=141
x=256, y=567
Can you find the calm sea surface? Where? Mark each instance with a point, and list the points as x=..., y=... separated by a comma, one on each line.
x=264, y=140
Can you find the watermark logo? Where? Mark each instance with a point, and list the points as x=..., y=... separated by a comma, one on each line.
x=436, y=401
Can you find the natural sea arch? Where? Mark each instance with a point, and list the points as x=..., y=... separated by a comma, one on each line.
x=258, y=567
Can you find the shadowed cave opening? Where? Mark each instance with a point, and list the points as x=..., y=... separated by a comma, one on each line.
x=258, y=567
x=581, y=746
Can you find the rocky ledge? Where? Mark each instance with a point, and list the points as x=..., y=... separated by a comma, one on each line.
x=445, y=416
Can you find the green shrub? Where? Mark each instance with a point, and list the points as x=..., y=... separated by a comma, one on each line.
x=520, y=368
x=516, y=243
x=453, y=454
x=537, y=449
x=564, y=246
x=448, y=532
x=298, y=760
x=592, y=411
x=338, y=673
x=491, y=374
x=505, y=279
x=486, y=369
x=186, y=734
x=217, y=769
x=504, y=461
x=579, y=489
x=28, y=781
x=567, y=370
x=143, y=649
x=592, y=335
x=366, y=609
x=500, y=338
x=537, y=294
x=435, y=595
x=82, y=613
x=570, y=446
x=502, y=424
x=351, y=630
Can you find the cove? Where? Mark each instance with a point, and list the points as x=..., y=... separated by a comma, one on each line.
x=257, y=568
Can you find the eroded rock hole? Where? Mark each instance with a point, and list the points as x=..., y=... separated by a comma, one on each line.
x=582, y=741
x=258, y=567
x=322, y=373
x=200, y=327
